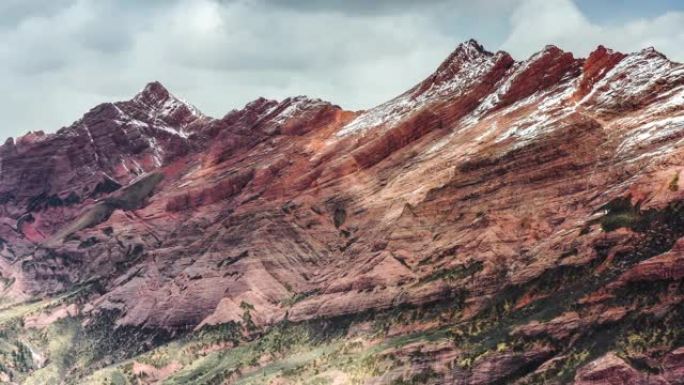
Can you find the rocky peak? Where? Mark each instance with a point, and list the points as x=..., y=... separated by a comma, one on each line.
x=32, y=137
x=273, y=117
x=595, y=67
x=651, y=52
x=467, y=60
x=466, y=51
x=156, y=103
x=287, y=116
x=121, y=139
x=153, y=94
x=600, y=54
x=631, y=81
x=466, y=75
x=245, y=118
x=292, y=106
x=550, y=54
x=260, y=104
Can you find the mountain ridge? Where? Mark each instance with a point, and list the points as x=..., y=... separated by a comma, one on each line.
x=507, y=212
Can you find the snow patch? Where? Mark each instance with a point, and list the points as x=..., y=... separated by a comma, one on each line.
x=633, y=77
x=652, y=132
x=473, y=66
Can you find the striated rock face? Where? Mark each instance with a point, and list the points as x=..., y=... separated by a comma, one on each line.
x=532, y=210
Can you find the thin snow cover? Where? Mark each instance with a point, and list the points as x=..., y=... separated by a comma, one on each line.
x=492, y=129
x=126, y=119
x=171, y=131
x=157, y=152
x=387, y=113
x=473, y=64
x=173, y=102
x=547, y=113
x=92, y=142
x=551, y=100
x=137, y=170
x=553, y=106
x=652, y=132
x=158, y=125
x=492, y=100
x=633, y=77
x=668, y=102
x=157, y=108
x=297, y=105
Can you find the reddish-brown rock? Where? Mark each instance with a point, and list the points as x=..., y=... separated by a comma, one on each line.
x=540, y=199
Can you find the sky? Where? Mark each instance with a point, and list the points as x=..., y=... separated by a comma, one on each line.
x=59, y=58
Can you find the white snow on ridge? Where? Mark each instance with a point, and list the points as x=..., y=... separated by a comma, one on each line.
x=157, y=125
x=632, y=77
x=160, y=107
x=546, y=115
x=652, y=132
x=672, y=100
x=174, y=102
x=157, y=153
x=297, y=104
x=386, y=113
x=171, y=131
x=473, y=65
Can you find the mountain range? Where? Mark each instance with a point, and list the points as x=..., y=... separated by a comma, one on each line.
x=501, y=222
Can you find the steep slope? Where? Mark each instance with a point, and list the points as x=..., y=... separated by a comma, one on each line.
x=500, y=222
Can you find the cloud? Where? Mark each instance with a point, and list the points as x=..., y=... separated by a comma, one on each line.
x=218, y=55
x=365, y=7
x=15, y=11
x=535, y=23
x=59, y=58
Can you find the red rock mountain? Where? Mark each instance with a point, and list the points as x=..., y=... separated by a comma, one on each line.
x=524, y=216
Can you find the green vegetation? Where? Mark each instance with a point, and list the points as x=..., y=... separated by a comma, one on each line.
x=674, y=183
x=422, y=377
x=355, y=348
x=247, y=315
x=620, y=213
x=339, y=216
x=454, y=273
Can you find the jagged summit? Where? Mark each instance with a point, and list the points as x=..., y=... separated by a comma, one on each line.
x=468, y=50
x=487, y=82
x=464, y=59
x=153, y=93
x=159, y=103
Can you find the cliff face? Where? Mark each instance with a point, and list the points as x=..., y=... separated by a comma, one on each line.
x=500, y=222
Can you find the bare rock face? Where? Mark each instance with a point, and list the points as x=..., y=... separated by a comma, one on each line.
x=533, y=208
x=610, y=370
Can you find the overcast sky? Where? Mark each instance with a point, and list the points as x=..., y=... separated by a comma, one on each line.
x=59, y=58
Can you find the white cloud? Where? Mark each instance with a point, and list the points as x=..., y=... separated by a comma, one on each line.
x=59, y=58
x=216, y=55
x=536, y=23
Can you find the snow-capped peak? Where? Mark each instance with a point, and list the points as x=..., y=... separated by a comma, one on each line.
x=465, y=67
x=470, y=49
x=158, y=98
